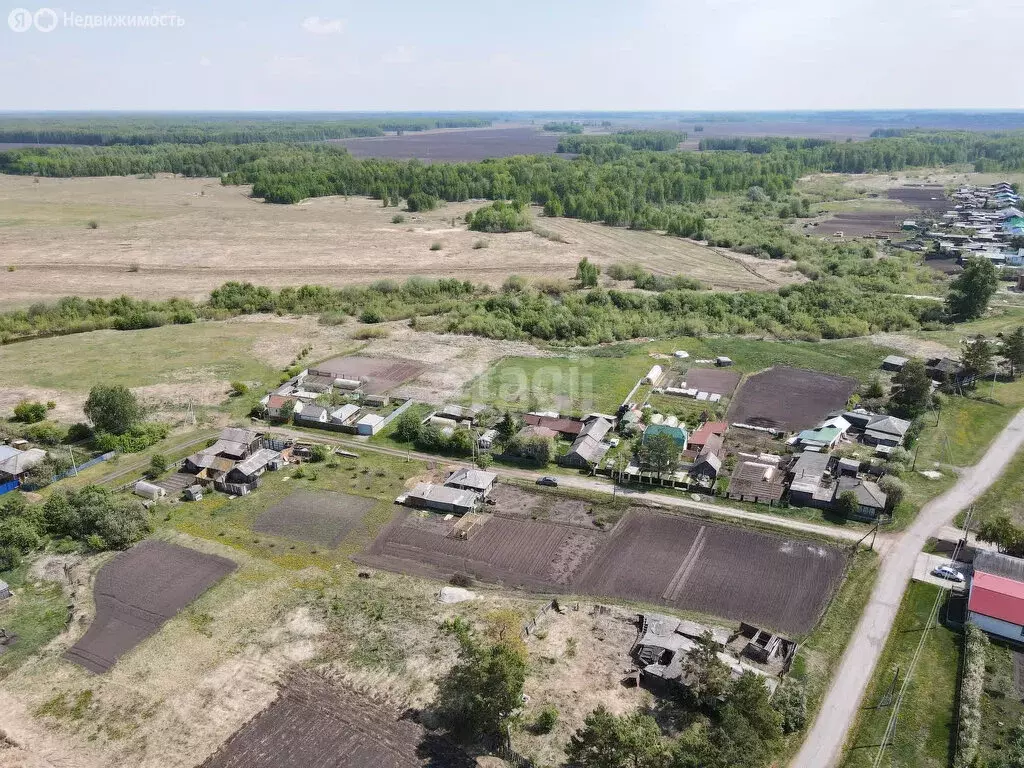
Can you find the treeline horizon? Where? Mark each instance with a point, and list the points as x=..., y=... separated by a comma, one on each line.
x=828, y=308
x=142, y=131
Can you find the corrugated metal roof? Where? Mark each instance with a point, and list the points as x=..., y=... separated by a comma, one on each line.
x=999, y=564
x=997, y=597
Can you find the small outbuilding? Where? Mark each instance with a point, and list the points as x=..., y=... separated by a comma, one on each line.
x=654, y=375
x=486, y=440
x=5, y=590
x=370, y=424
x=148, y=490
x=193, y=493
x=442, y=498
x=476, y=480
x=894, y=363
x=723, y=362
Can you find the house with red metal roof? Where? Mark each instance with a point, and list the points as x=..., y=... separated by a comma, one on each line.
x=996, y=601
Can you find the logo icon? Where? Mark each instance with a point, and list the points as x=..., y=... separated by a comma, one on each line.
x=20, y=19
x=45, y=19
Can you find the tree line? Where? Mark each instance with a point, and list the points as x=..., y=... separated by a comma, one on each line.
x=213, y=129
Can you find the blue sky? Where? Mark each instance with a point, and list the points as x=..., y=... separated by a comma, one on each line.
x=556, y=55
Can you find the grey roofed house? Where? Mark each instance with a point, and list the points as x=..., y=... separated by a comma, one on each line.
x=442, y=498
x=21, y=462
x=239, y=435
x=808, y=472
x=584, y=451
x=870, y=498
x=460, y=412
x=255, y=463
x=998, y=564
x=665, y=641
x=596, y=428
x=472, y=480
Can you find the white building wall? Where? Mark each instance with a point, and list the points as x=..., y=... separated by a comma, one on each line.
x=997, y=627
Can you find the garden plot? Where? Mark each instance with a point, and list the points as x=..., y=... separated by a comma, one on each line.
x=137, y=592
x=315, y=724
x=316, y=518
x=720, y=570
x=790, y=399
x=526, y=553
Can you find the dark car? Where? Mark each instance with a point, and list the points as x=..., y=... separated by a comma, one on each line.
x=548, y=481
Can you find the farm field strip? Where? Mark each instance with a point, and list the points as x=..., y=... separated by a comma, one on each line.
x=790, y=399
x=689, y=565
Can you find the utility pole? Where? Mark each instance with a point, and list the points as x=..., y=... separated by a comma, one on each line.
x=73, y=464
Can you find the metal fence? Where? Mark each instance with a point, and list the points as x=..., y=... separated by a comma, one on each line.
x=8, y=487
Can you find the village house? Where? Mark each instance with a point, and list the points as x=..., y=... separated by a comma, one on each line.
x=705, y=469
x=281, y=406
x=312, y=413
x=677, y=433
x=878, y=429
x=759, y=481
x=871, y=499
x=811, y=484
x=568, y=428
x=15, y=464
x=709, y=430
x=343, y=414
x=475, y=480
x=442, y=498
x=996, y=600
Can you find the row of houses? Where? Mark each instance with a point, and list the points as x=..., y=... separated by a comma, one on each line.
x=234, y=463
x=462, y=492
x=981, y=223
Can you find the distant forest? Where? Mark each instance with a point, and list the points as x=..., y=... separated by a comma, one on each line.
x=107, y=131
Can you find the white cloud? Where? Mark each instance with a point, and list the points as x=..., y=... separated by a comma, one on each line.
x=317, y=26
x=400, y=55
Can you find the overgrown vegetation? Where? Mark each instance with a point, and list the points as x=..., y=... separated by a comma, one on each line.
x=500, y=216
x=969, y=721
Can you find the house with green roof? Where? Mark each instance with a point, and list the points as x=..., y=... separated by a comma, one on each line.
x=676, y=433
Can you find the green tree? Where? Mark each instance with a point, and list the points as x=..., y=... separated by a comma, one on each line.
x=911, y=389
x=1004, y=533
x=508, y=425
x=483, y=688
x=319, y=452
x=157, y=466
x=587, y=272
x=847, y=504
x=113, y=409
x=706, y=675
x=29, y=412
x=1013, y=349
x=895, y=490
x=407, y=428
x=976, y=356
x=972, y=289
x=658, y=453
x=608, y=741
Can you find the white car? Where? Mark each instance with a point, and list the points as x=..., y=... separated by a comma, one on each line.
x=948, y=573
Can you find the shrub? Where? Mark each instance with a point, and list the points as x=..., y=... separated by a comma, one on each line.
x=546, y=720
x=78, y=432
x=46, y=433
x=500, y=216
x=420, y=201
x=157, y=466
x=29, y=411
x=319, y=453
x=479, y=244
x=239, y=387
x=969, y=732
x=436, y=246
x=138, y=438
x=397, y=219
x=791, y=702
x=372, y=315
x=461, y=580
x=371, y=333
x=93, y=224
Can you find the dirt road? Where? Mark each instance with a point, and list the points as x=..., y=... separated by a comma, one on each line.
x=824, y=744
x=602, y=486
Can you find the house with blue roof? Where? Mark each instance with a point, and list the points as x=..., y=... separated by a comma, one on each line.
x=677, y=433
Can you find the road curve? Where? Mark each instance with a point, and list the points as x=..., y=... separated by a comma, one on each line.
x=824, y=743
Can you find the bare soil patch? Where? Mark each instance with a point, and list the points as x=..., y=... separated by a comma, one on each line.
x=725, y=571
x=378, y=374
x=790, y=399
x=862, y=223
x=315, y=723
x=137, y=592
x=318, y=518
x=926, y=197
x=515, y=502
x=532, y=554
x=455, y=145
x=715, y=380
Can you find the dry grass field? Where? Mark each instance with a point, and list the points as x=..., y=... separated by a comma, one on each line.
x=182, y=237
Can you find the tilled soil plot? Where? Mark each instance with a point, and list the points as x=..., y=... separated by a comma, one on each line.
x=378, y=374
x=527, y=553
x=790, y=399
x=721, y=570
x=715, y=380
x=137, y=592
x=511, y=501
x=315, y=724
x=317, y=518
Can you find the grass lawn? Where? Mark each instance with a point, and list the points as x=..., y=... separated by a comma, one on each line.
x=819, y=654
x=925, y=727
x=997, y=320
x=1004, y=495
x=174, y=354
x=36, y=614
x=568, y=384
x=1001, y=707
x=230, y=521
x=967, y=425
